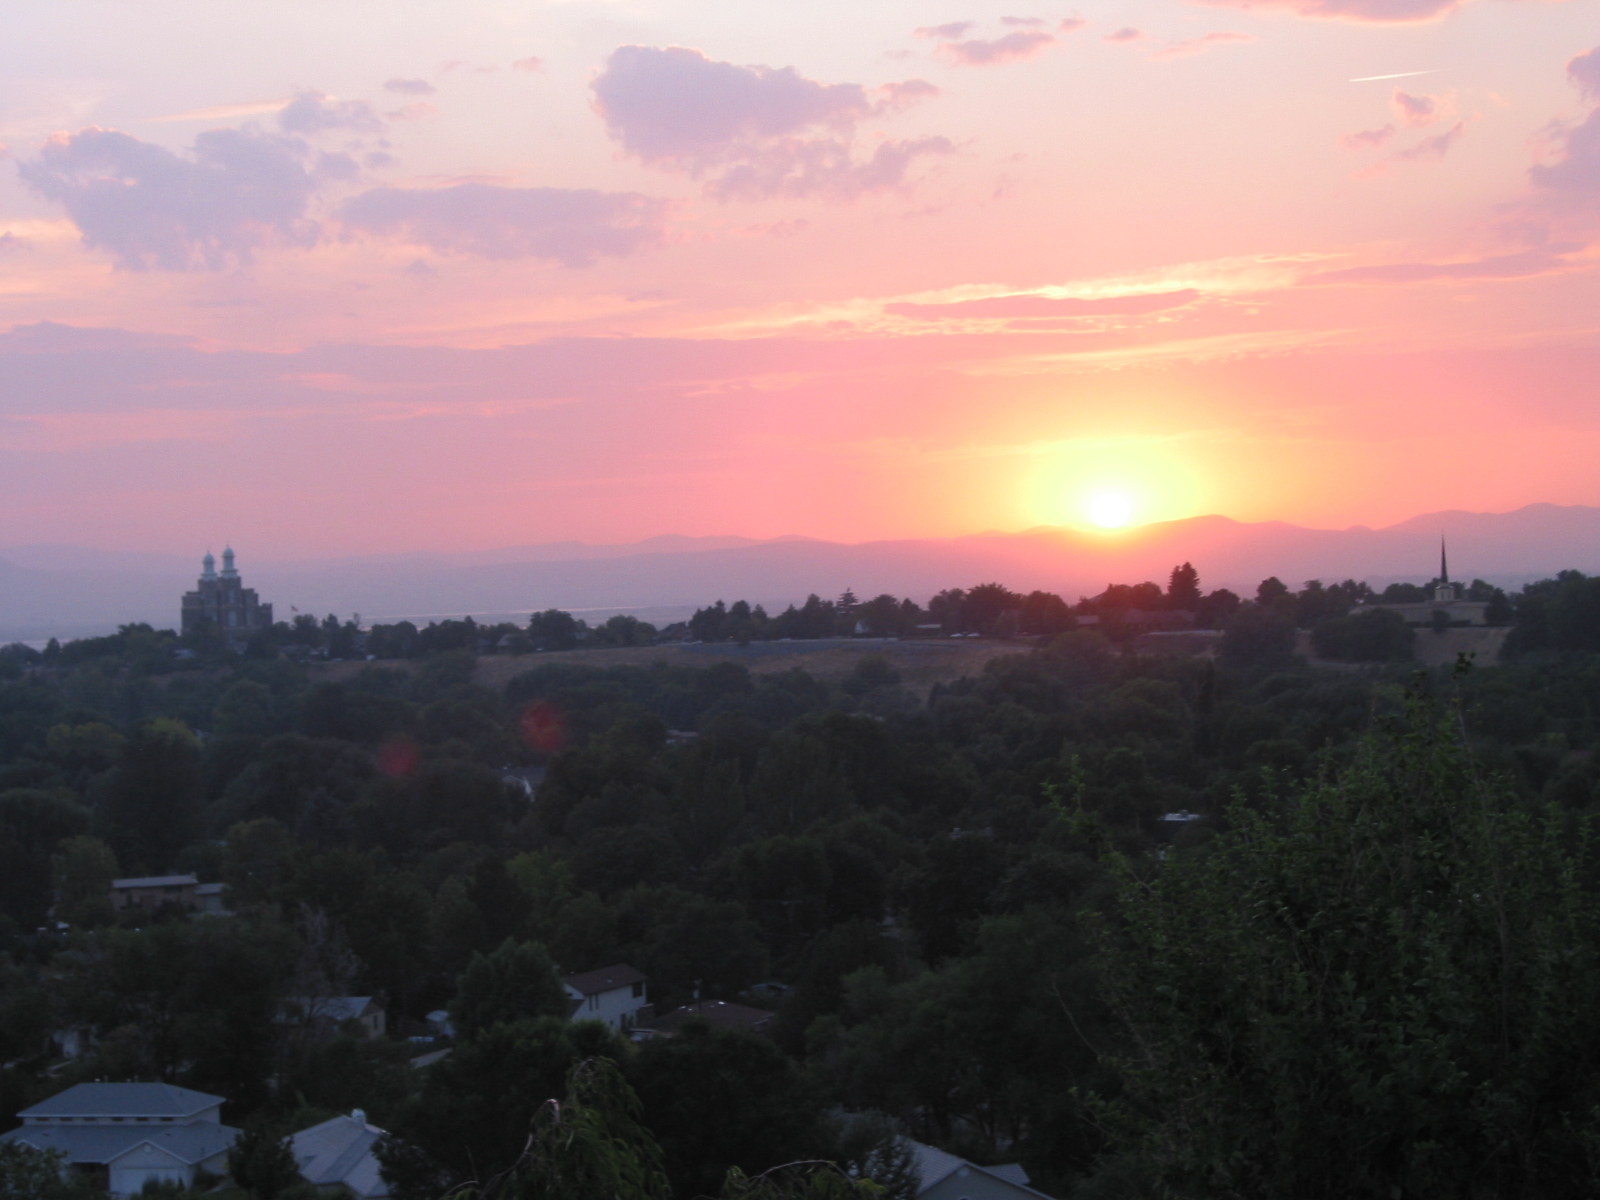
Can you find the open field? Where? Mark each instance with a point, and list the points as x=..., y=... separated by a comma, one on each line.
x=921, y=664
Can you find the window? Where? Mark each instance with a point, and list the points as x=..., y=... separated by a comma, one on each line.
x=638, y=990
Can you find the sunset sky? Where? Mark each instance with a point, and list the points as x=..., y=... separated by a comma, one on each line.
x=343, y=277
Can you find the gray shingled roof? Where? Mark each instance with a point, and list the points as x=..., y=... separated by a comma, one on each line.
x=606, y=979
x=340, y=1152
x=123, y=1100
x=105, y=1143
x=149, y=881
x=934, y=1165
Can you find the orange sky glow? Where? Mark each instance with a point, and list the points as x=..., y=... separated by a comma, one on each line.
x=328, y=279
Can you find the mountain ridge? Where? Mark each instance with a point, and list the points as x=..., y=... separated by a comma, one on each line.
x=669, y=575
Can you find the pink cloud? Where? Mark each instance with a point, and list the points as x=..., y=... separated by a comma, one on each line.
x=977, y=52
x=1022, y=22
x=314, y=112
x=1071, y=24
x=239, y=191
x=1584, y=74
x=570, y=227
x=951, y=30
x=1199, y=45
x=1374, y=11
x=1418, y=110
x=1577, y=174
x=1434, y=147
x=1002, y=307
x=410, y=87
x=905, y=94
x=1126, y=34
x=752, y=132
x=1538, y=261
x=1367, y=139
x=532, y=63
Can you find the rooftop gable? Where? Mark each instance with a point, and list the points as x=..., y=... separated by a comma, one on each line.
x=122, y=1100
x=606, y=979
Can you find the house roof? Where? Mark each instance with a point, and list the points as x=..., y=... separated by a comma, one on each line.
x=107, y=1143
x=340, y=1152
x=934, y=1165
x=123, y=1100
x=606, y=979
x=147, y=881
x=333, y=1008
x=719, y=1014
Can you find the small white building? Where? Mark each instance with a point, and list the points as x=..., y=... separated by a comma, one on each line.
x=122, y=1135
x=612, y=994
x=337, y=1156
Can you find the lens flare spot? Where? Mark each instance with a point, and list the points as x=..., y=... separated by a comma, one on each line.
x=543, y=727
x=397, y=758
x=1110, y=510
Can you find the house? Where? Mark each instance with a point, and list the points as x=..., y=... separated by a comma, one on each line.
x=122, y=1135
x=612, y=994
x=719, y=1014
x=942, y=1176
x=152, y=891
x=327, y=1014
x=337, y=1156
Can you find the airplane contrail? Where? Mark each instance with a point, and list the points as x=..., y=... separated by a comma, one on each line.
x=1400, y=75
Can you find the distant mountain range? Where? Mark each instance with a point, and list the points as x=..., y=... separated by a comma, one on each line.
x=67, y=591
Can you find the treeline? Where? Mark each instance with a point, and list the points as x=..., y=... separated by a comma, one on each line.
x=933, y=875
x=1561, y=613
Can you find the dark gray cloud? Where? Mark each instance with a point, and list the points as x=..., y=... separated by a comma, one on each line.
x=240, y=190
x=752, y=132
x=410, y=87
x=315, y=112
x=570, y=227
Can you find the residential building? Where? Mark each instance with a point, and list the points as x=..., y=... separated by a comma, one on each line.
x=152, y=891
x=943, y=1176
x=719, y=1014
x=613, y=994
x=220, y=599
x=123, y=1135
x=337, y=1156
x=327, y=1015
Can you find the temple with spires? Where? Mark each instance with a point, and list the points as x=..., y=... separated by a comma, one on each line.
x=222, y=600
x=1447, y=598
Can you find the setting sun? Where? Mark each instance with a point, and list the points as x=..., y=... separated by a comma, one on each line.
x=1110, y=510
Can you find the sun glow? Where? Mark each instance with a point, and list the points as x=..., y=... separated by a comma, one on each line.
x=1110, y=510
